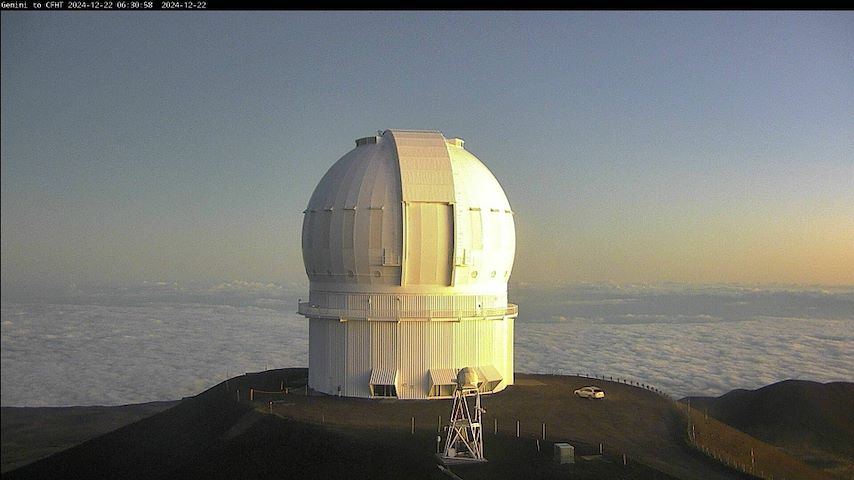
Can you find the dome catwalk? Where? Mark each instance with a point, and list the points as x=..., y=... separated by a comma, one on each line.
x=408, y=242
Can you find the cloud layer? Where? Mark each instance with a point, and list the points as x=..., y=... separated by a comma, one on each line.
x=690, y=358
x=162, y=341
x=110, y=355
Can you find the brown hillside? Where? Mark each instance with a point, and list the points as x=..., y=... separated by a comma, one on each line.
x=31, y=433
x=810, y=420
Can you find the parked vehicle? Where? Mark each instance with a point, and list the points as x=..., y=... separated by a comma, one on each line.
x=590, y=392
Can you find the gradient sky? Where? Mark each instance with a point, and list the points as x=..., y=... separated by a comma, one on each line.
x=697, y=147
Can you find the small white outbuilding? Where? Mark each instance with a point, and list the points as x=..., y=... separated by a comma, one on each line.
x=408, y=243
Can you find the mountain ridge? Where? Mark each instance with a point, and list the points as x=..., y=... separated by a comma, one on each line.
x=812, y=421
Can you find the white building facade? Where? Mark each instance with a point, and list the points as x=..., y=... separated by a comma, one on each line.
x=408, y=242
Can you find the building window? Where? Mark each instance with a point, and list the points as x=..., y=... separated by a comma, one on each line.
x=383, y=390
x=443, y=390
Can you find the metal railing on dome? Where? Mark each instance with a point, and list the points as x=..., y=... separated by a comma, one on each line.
x=309, y=310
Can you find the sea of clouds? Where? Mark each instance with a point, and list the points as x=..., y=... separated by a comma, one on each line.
x=164, y=341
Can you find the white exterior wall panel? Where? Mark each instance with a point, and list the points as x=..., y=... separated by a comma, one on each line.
x=326, y=359
x=510, y=366
x=485, y=354
x=358, y=366
x=413, y=360
x=346, y=353
x=441, y=344
x=499, y=346
x=465, y=343
x=316, y=351
x=383, y=345
x=337, y=356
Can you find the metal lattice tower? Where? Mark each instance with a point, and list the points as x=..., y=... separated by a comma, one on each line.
x=465, y=429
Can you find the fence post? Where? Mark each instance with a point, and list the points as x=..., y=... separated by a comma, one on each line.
x=600, y=449
x=544, y=430
x=271, y=407
x=413, y=426
x=495, y=422
x=517, y=428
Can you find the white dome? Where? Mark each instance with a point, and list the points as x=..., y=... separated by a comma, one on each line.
x=408, y=242
x=409, y=212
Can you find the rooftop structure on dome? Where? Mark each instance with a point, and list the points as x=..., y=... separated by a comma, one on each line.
x=408, y=242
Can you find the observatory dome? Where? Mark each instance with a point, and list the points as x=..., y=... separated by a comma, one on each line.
x=408, y=243
x=409, y=209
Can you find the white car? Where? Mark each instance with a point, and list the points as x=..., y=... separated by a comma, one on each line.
x=590, y=392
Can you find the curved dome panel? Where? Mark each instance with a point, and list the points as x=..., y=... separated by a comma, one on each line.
x=352, y=225
x=486, y=233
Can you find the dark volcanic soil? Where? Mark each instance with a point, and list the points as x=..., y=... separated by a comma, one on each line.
x=32, y=433
x=213, y=435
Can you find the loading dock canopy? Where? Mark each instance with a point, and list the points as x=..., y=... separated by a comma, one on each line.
x=443, y=382
x=443, y=376
x=383, y=376
x=489, y=377
x=442, y=379
x=489, y=373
